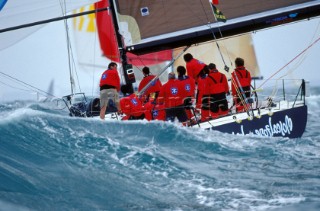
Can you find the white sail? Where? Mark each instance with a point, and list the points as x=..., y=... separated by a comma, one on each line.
x=17, y=13
x=89, y=54
x=231, y=48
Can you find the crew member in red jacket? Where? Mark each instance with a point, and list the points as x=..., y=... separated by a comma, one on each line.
x=132, y=107
x=217, y=89
x=188, y=91
x=154, y=111
x=154, y=87
x=171, y=96
x=109, y=88
x=240, y=86
x=202, y=102
x=193, y=66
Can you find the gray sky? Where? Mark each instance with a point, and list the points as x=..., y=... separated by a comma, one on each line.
x=43, y=57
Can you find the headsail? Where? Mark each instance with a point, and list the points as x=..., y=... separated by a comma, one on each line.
x=96, y=43
x=15, y=13
x=174, y=23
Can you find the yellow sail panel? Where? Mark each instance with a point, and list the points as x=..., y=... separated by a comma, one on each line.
x=89, y=54
x=231, y=48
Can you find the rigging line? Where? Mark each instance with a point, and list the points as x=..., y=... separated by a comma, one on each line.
x=226, y=68
x=63, y=10
x=94, y=50
x=50, y=20
x=162, y=71
x=15, y=87
x=220, y=32
x=297, y=56
x=49, y=94
x=300, y=61
x=75, y=68
x=292, y=69
x=71, y=62
x=240, y=93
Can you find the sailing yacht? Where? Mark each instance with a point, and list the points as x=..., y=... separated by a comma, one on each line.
x=144, y=27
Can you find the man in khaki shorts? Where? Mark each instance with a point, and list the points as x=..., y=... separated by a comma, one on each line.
x=109, y=88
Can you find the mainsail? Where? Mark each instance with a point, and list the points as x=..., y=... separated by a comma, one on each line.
x=228, y=49
x=169, y=24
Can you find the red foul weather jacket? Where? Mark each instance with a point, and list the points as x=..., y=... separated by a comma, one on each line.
x=155, y=86
x=217, y=83
x=131, y=106
x=242, y=76
x=194, y=67
x=171, y=94
x=111, y=78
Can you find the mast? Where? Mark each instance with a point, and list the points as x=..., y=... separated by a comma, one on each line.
x=126, y=68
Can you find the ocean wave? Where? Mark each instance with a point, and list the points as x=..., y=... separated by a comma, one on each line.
x=49, y=160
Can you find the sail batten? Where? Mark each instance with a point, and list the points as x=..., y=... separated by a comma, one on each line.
x=170, y=24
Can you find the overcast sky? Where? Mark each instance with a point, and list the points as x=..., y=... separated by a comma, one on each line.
x=43, y=57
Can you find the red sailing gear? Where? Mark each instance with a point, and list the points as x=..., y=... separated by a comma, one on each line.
x=111, y=78
x=155, y=86
x=211, y=96
x=131, y=106
x=194, y=67
x=154, y=111
x=243, y=76
x=218, y=83
x=217, y=88
x=188, y=85
x=201, y=90
x=171, y=94
x=240, y=78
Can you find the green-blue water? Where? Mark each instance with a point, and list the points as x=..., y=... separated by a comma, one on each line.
x=50, y=161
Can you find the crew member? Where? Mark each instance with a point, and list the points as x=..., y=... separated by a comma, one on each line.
x=154, y=111
x=217, y=89
x=202, y=101
x=153, y=87
x=193, y=66
x=188, y=91
x=240, y=86
x=132, y=107
x=109, y=88
x=171, y=95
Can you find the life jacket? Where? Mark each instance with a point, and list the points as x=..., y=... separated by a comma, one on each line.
x=217, y=83
x=110, y=78
x=131, y=106
x=194, y=68
x=171, y=94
